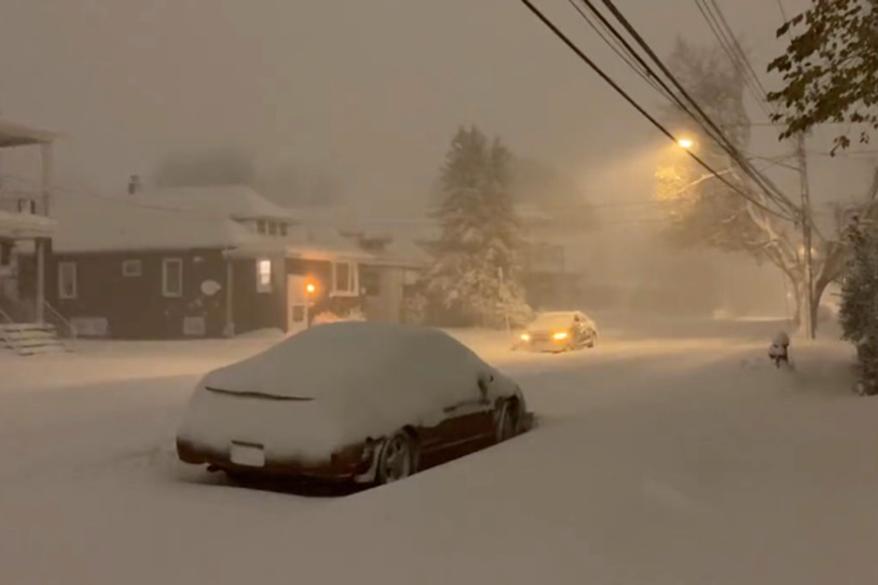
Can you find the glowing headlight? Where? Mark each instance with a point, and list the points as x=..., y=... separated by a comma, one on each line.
x=525, y=336
x=559, y=336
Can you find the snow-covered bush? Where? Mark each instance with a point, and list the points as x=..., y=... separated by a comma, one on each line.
x=858, y=313
x=325, y=317
x=415, y=309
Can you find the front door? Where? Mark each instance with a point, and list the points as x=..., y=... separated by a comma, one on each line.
x=297, y=304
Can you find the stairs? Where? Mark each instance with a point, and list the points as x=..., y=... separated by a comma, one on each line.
x=31, y=338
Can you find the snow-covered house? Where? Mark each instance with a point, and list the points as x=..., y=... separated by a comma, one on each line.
x=209, y=261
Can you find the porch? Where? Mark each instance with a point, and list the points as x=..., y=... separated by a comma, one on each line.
x=27, y=322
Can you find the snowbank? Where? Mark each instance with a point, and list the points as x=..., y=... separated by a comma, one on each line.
x=344, y=382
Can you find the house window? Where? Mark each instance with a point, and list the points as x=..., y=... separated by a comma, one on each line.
x=272, y=228
x=132, y=268
x=263, y=276
x=67, y=288
x=370, y=281
x=172, y=277
x=27, y=206
x=5, y=253
x=344, y=279
x=283, y=229
x=260, y=226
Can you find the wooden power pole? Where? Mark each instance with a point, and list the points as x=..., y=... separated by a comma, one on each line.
x=810, y=312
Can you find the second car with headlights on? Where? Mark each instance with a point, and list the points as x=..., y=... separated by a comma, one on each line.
x=559, y=331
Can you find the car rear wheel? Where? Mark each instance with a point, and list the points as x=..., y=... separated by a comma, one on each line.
x=397, y=459
x=508, y=417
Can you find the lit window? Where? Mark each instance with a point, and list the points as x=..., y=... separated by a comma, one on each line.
x=344, y=279
x=172, y=277
x=132, y=268
x=67, y=280
x=263, y=276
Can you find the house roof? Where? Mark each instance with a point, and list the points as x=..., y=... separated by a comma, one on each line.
x=13, y=134
x=230, y=201
x=25, y=225
x=104, y=224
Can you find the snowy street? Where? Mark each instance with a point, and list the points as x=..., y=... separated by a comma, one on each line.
x=660, y=458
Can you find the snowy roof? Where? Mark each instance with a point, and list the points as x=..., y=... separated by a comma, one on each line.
x=232, y=201
x=100, y=224
x=25, y=225
x=13, y=134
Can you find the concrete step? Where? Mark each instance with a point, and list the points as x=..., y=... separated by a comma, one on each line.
x=42, y=349
x=31, y=338
x=19, y=327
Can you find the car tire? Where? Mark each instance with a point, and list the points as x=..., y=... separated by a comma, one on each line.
x=592, y=339
x=397, y=459
x=507, y=420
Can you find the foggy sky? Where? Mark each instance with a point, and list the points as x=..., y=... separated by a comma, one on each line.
x=370, y=90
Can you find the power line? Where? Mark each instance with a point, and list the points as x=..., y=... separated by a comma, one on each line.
x=719, y=135
x=643, y=71
x=783, y=12
x=573, y=47
x=737, y=46
x=771, y=191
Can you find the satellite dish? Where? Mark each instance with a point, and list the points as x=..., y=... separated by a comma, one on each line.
x=210, y=287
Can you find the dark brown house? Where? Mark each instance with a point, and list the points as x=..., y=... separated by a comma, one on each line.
x=206, y=262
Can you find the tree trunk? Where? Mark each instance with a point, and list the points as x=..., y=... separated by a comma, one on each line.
x=819, y=288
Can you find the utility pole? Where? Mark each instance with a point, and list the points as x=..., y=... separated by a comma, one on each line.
x=806, y=238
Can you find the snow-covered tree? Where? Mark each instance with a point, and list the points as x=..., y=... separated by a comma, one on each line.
x=475, y=275
x=859, y=300
x=204, y=168
x=704, y=210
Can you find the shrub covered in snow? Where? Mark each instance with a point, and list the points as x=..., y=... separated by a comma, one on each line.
x=859, y=303
x=330, y=317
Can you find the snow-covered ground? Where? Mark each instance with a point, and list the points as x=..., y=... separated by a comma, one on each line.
x=671, y=454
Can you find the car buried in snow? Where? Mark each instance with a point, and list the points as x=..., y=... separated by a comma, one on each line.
x=558, y=331
x=353, y=402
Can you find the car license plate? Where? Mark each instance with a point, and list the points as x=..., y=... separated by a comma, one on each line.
x=247, y=454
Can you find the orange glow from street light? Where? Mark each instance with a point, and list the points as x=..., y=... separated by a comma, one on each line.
x=685, y=143
x=310, y=288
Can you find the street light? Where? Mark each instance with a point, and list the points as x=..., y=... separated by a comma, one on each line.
x=310, y=291
x=685, y=143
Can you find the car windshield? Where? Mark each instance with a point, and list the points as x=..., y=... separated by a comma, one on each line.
x=554, y=320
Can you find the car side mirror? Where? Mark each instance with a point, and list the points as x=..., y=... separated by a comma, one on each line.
x=483, y=385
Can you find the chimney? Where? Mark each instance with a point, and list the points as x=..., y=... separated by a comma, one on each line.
x=134, y=185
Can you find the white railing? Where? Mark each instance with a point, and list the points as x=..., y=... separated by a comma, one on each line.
x=63, y=327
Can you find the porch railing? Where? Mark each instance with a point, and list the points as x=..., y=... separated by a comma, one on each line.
x=5, y=319
x=63, y=327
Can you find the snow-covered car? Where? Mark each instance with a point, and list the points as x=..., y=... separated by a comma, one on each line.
x=359, y=401
x=559, y=331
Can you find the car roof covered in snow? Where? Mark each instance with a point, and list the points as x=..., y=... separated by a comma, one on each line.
x=345, y=360
x=552, y=319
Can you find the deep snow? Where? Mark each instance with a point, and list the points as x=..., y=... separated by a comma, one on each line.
x=674, y=458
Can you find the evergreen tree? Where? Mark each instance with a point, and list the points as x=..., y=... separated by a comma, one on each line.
x=476, y=268
x=859, y=302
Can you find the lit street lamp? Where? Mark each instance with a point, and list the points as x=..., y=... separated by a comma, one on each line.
x=685, y=143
